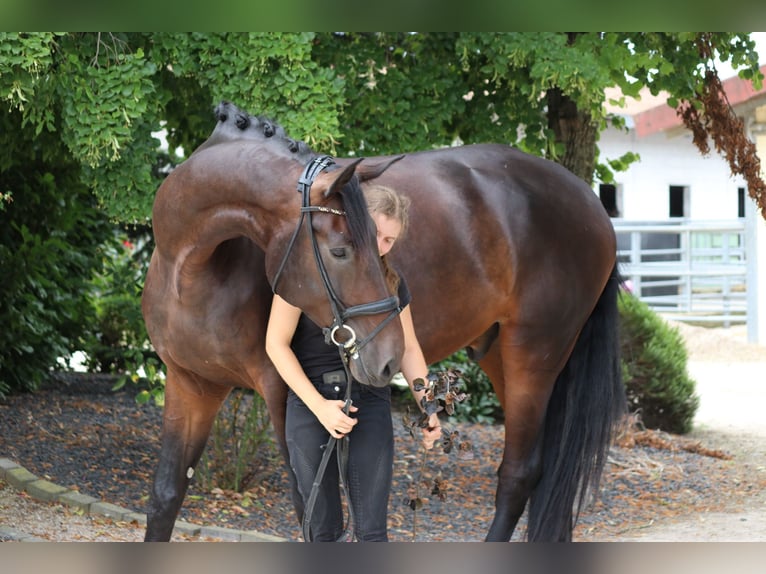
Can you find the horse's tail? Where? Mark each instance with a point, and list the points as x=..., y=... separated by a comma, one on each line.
x=588, y=399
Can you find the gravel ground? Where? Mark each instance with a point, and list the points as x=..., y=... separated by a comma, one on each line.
x=655, y=490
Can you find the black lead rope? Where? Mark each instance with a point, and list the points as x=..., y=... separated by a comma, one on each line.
x=342, y=447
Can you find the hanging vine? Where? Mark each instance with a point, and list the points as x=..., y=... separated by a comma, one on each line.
x=713, y=119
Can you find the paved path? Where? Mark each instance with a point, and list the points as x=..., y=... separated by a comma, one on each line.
x=731, y=415
x=732, y=396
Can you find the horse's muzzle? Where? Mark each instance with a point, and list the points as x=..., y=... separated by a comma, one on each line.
x=379, y=377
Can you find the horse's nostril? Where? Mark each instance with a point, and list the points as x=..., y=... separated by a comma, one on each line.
x=388, y=372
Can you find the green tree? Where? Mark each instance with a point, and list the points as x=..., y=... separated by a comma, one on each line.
x=51, y=240
x=106, y=97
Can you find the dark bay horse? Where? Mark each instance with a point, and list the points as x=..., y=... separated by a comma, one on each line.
x=508, y=255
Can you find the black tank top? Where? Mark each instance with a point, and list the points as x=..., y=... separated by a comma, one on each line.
x=317, y=356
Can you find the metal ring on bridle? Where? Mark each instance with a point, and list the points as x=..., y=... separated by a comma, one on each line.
x=345, y=344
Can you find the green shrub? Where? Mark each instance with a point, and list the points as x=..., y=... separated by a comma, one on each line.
x=51, y=235
x=654, y=360
x=118, y=335
x=116, y=341
x=654, y=373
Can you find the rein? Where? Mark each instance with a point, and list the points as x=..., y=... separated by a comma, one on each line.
x=349, y=348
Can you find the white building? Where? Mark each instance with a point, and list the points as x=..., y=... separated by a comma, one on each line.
x=673, y=180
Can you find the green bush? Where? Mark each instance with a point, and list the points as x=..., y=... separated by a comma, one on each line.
x=118, y=335
x=654, y=360
x=653, y=365
x=116, y=341
x=51, y=234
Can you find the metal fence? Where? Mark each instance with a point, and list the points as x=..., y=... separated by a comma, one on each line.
x=690, y=270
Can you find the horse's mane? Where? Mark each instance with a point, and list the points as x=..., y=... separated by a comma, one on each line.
x=235, y=123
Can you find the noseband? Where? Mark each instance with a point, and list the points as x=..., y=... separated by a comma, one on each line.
x=350, y=347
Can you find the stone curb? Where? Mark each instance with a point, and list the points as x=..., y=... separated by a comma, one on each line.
x=43, y=490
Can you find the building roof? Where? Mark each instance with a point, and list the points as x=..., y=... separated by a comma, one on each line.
x=651, y=114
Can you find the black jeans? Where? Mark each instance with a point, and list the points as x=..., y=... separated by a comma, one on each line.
x=370, y=462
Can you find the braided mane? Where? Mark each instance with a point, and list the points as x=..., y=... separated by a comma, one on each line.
x=235, y=123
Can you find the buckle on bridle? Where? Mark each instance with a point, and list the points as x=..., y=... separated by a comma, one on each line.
x=312, y=169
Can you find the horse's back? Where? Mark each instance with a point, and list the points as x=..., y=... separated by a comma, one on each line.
x=497, y=235
x=496, y=189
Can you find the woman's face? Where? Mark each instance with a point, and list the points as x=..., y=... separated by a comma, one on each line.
x=388, y=231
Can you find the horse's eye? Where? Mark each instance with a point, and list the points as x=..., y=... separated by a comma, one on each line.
x=338, y=252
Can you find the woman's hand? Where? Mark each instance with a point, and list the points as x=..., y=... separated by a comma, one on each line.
x=330, y=414
x=432, y=433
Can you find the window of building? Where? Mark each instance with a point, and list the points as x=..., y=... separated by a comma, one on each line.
x=611, y=199
x=741, y=202
x=679, y=201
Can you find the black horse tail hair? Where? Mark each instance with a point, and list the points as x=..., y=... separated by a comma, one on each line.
x=588, y=400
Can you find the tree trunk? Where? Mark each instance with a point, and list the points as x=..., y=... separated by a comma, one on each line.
x=577, y=132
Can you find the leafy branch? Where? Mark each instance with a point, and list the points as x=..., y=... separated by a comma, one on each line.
x=442, y=393
x=715, y=119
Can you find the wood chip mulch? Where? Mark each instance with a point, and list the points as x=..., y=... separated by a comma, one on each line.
x=78, y=433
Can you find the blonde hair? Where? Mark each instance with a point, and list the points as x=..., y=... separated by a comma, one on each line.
x=389, y=202
x=386, y=201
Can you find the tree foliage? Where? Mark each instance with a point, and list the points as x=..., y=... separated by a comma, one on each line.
x=51, y=241
x=106, y=96
x=543, y=91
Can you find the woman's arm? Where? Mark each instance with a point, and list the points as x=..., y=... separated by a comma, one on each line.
x=279, y=334
x=414, y=366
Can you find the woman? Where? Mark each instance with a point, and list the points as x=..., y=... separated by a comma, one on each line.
x=314, y=372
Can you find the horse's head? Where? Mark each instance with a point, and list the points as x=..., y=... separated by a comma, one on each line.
x=329, y=266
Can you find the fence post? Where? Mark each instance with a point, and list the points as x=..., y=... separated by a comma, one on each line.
x=688, y=257
x=756, y=250
x=726, y=288
x=635, y=259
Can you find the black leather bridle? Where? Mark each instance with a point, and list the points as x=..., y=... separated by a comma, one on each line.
x=350, y=347
x=340, y=312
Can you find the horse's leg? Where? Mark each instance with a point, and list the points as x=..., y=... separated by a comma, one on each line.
x=523, y=393
x=191, y=405
x=274, y=392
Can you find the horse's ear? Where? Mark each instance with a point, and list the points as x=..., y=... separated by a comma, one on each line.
x=331, y=182
x=371, y=171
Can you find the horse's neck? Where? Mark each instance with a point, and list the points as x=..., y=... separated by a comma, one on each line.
x=222, y=194
x=193, y=242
